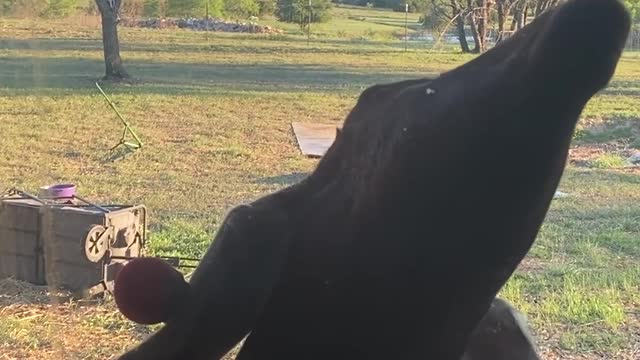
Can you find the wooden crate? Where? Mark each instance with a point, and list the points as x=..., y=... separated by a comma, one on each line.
x=21, y=253
x=44, y=242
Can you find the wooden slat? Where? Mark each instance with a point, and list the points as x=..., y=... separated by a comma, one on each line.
x=314, y=139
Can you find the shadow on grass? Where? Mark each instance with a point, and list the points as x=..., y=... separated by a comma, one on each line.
x=255, y=45
x=621, y=130
x=54, y=76
x=590, y=176
x=622, y=88
x=282, y=180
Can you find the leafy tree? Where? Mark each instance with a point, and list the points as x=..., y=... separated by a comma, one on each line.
x=217, y=8
x=634, y=8
x=5, y=7
x=155, y=8
x=241, y=8
x=297, y=11
x=195, y=8
x=25, y=8
x=183, y=7
x=266, y=7
x=41, y=8
x=132, y=8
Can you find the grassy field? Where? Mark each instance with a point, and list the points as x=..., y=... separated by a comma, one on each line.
x=355, y=22
x=214, y=111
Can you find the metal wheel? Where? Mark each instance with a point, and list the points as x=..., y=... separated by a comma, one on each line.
x=96, y=243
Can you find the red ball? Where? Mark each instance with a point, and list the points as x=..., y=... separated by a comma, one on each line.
x=147, y=290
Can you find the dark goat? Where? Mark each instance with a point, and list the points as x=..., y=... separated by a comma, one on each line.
x=397, y=244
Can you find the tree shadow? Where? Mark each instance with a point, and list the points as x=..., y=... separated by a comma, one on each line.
x=22, y=75
x=256, y=45
x=622, y=88
x=282, y=180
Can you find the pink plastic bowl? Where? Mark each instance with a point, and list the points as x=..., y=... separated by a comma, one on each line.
x=60, y=190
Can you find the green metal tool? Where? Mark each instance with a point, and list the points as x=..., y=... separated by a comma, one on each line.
x=131, y=146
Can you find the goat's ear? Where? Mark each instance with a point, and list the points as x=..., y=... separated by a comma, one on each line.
x=579, y=45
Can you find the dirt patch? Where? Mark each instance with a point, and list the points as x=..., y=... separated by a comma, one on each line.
x=598, y=131
x=530, y=265
x=585, y=155
x=14, y=292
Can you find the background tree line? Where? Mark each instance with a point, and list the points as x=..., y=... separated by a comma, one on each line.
x=133, y=8
x=478, y=16
x=474, y=18
x=285, y=10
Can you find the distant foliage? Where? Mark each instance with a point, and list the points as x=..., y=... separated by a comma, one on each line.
x=195, y=8
x=132, y=8
x=241, y=8
x=154, y=8
x=434, y=21
x=634, y=8
x=186, y=7
x=216, y=8
x=297, y=11
x=60, y=8
x=5, y=7
x=38, y=8
x=138, y=8
x=266, y=7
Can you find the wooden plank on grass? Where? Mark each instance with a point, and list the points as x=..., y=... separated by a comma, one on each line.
x=314, y=139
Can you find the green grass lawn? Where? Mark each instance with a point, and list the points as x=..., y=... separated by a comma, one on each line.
x=214, y=111
x=355, y=22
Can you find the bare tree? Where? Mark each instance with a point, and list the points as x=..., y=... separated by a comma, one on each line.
x=520, y=15
x=459, y=14
x=443, y=13
x=114, y=69
x=504, y=8
x=478, y=15
x=542, y=5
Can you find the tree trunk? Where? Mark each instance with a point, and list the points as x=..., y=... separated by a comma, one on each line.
x=500, y=8
x=525, y=13
x=539, y=7
x=458, y=16
x=519, y=15
x=114, y=69
x=462, y=36
x=543, y=5
x=474, y=33
x=479, y=22
x=483, y=24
